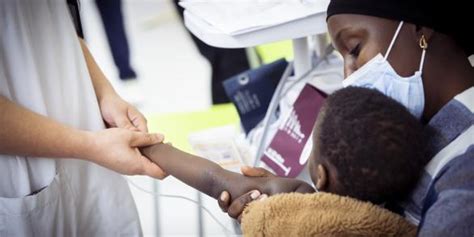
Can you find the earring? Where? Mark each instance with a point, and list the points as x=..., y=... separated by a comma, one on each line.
x=423, y=43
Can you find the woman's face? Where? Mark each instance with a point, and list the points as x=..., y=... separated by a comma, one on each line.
x=359, y=38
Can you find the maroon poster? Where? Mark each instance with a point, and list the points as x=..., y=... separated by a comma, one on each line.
x=283, y=154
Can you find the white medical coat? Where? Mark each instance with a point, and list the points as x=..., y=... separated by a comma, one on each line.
x=43, y=69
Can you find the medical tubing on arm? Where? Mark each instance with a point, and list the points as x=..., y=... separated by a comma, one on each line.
x=271, y=109
x=278, y=95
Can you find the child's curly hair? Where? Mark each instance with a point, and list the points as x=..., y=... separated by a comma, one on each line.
x=373, y=142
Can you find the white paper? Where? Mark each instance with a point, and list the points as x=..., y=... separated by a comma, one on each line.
x=220, y=145
x=234, y=17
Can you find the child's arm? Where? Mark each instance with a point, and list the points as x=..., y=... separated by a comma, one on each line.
x=211, y=179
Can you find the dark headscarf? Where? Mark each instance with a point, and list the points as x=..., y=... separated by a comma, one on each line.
x=450, y=18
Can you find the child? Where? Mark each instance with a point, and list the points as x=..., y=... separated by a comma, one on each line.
x=366, y=146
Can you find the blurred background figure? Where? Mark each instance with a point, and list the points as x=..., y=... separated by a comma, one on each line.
x=110, y=12
x=224, y=63
x=112, y=19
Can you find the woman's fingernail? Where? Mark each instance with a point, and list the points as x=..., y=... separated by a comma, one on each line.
x=223, y=196
x=160, y=136
x=262, y=197
x=254, y=194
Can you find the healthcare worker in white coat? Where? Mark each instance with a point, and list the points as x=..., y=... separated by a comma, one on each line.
x=59, y=166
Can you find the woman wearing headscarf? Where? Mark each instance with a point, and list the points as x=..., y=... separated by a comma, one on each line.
x=416, y=52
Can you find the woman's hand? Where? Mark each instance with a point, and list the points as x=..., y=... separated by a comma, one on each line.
x=275, y=184
x=115, y=111
x=224, y=199
x=256, y=172
x=118, y=113
x=117, y=149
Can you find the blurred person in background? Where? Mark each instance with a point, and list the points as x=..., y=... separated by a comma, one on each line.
x=111, y=14
x=224, y=63
x=112, y=19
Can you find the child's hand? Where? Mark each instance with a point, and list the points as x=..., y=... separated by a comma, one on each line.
x=117, y=149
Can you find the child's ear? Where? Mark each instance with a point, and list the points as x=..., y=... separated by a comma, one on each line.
x=322, y=182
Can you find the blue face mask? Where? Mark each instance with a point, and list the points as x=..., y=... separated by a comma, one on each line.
x=379, y=74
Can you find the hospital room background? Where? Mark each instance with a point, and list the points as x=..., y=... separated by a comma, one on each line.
x=173, y=86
